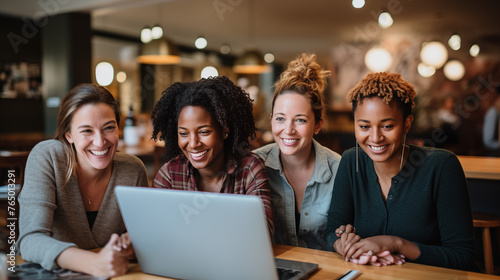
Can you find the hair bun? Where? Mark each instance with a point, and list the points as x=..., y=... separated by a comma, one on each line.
x=304, y=75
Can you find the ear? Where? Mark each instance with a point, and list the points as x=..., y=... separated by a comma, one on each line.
x=408, y=123
x=68, y=137
x=318, y=126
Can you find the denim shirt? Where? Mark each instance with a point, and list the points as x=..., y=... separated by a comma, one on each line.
x=315, y=204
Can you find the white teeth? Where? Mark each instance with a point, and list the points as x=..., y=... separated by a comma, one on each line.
x=290, y=141
x=199, y=154
x=100, y=153
x=378, y=148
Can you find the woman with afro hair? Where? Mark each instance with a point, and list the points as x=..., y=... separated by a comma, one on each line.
x=391, y=201
x=206, y=126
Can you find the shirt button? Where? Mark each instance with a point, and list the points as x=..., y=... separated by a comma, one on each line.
x=306, y=213
x=389, y=197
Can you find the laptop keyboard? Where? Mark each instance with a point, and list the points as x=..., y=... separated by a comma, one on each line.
x=285, y=274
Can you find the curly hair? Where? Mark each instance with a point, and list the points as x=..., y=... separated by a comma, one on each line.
x=304, y=76
x=228, y=104
x=388, y=86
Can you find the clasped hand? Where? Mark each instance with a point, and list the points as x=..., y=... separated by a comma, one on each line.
x=375, y=250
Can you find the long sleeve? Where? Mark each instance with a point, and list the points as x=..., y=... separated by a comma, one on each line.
x=37, y=202
x=428, y=204
x=52, y=214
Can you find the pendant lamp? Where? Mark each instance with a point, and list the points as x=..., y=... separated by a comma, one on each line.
x=159, y=51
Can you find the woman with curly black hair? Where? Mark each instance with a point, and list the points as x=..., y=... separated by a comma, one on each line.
x=206, y=126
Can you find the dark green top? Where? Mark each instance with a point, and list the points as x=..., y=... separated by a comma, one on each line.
x=428, y=203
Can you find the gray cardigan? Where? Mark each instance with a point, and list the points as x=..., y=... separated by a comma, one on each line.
x=52, y=217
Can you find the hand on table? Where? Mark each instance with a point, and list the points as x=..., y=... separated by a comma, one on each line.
x=112, y=259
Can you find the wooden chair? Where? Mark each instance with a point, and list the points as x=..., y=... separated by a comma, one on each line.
x=486, y=221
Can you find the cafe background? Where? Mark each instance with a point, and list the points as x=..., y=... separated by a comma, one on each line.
x=49, y=46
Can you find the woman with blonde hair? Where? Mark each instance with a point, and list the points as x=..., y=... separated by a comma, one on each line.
x=301, y=171
x=391, y=201
x=67, y=204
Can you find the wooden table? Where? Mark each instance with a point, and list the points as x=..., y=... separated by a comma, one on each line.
x=475, y=167
x=332, y=265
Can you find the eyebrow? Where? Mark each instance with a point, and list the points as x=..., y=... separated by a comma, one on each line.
x=87, y=126
x=384, y=120
x=298, y=115
x=199, y=127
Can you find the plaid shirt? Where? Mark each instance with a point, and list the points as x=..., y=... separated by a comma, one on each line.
x=247, y=176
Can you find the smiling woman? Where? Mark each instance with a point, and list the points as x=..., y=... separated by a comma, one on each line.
x=387, y=206
x=206, y=126
x=67, y=204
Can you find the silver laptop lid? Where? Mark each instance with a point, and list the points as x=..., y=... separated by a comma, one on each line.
x=197, y=235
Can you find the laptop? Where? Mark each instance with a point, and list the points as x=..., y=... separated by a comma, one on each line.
x=199, y=235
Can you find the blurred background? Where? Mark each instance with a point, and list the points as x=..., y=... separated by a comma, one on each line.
x=449, y=50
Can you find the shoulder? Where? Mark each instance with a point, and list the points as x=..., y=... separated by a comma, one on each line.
x=250, y=159
x=127, y=164
x=266, y=151
x=127, y=159
x=432, y=154
x=48, y=150
x=331, y=156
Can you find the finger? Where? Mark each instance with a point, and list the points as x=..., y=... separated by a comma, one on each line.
x=340, y=230
x=383, y=254
x=350, y=228
x=364, y=259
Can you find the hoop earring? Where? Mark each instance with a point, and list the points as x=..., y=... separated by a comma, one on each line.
x=403, y=152
x=357, y=152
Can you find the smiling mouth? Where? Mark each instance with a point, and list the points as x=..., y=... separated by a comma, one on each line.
x=99, y=153
x=378, y=148
x=197, y=155
x=289, y=141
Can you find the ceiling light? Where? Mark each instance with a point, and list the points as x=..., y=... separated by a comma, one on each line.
x=159, y=51
x=200, y=43
x=121, y=77
x=225, y=49
x=156, y=32
x=251, y=62
x=385, y=20
x=146, y=35
x=378, y=59
x=474, y=50
x=209, y=71
x=358, y=4
x=425, y=71
x=455, y=42
x=269, y=57
x=434, y=54
x=454, y=70
x=104, y=73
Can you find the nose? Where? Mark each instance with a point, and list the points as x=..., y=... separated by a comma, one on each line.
x=193, y=140
x=375, y=135
x=99, y=139
x=289, y=127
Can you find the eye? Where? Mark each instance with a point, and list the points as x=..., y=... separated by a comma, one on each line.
x=364, y=127
x=387, y=126
x=205, y=132
x=183, y=134
x=110, y=128
x=301, y=120
x=280, y=119
x=86, y=131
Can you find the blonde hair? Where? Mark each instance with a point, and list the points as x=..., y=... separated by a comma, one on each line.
x=304, y=76
x=388, y=86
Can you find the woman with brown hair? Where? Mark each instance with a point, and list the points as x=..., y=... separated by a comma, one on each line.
x=67, y=204
x=301, y=171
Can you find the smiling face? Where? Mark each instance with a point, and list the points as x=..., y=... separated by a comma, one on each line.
x=200, y=139
x=293, y=124
x=380, y=129
x=94, y=135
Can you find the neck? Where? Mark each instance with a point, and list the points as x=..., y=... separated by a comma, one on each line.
x=302, y=160
x=391, y=168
